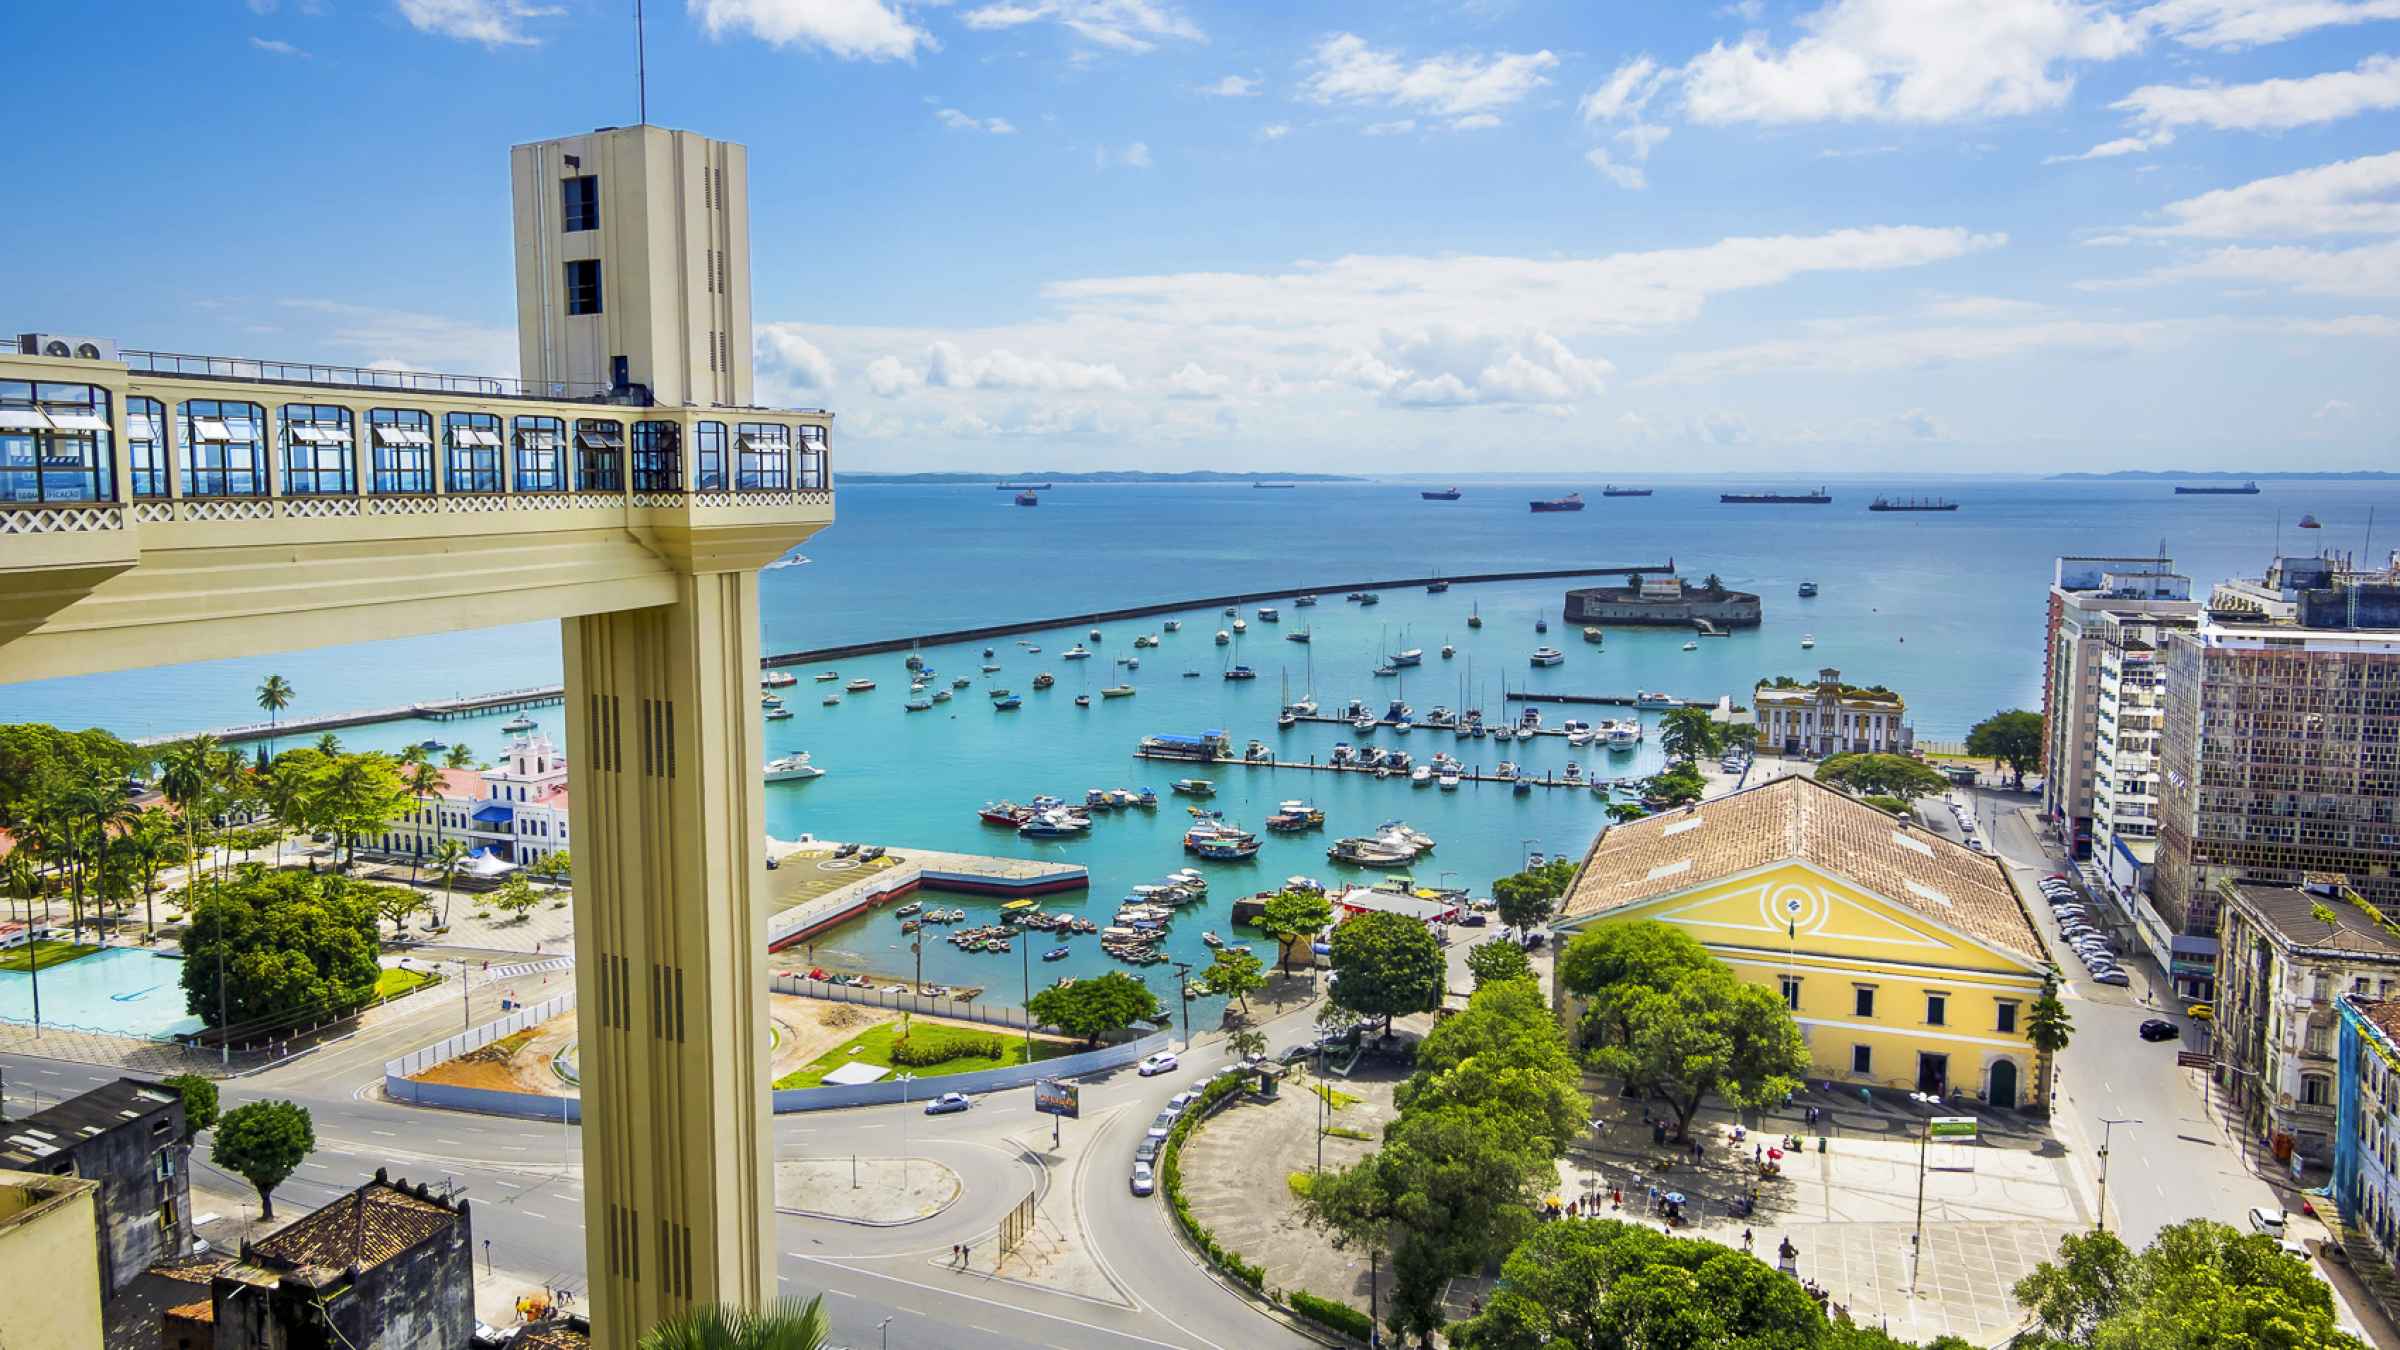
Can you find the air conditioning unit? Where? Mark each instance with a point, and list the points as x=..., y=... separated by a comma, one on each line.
x=67, y=346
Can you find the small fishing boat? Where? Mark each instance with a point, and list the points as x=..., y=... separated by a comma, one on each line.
x=1008, y=704
x=941, y=696
x=1223, y=637
x=1474, y=617
x=1269, y=614
x=831, y=699
x=859, y=686
x=1304, y=601
x=2309, y=522
x=1055, y=954
x=1241, y=673
x=1369, y=598
x=990, y=666
x=1044, y=680
x=779, y=714
x=1808, y=640
x=825, y=675
x=1117, y=691
x=918, y=704
x=961, y=682
x=1083, y=700
x=779, y=679
x=1173, y=625
x=1078, y=652
x=1691, y=646
x=1195, y=787
x=987, y=653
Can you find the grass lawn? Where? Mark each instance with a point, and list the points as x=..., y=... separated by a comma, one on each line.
x=50, y=950
x=394, y=982
x=874, y=1046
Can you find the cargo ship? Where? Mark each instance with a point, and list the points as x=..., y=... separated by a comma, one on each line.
x=1817, y=498
x=1028, y=499
x=2248, y=489
x=1273, y=485
x=1022, y=487
x=1912, y=504
x=1573, y=501
x=1612, y=490
x=1445, y=495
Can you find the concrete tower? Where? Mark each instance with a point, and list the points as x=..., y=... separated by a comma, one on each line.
x=633, y=264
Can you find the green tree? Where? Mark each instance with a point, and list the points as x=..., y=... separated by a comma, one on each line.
x=786, y=1324
x=1094, y=1007
x=263, y=1143
x=362, y=794
x=329, y=745
x=2049, y=1028
x=1688, y=732
x=1247, y=1042
x=187, y=776
x=422, y=782
x=1601, y=1284
x=1678, y=785
x=2010, y=738
x=1504, y=1050
x=1620, y=813
x=199, y=1102
x=1872, y=775
x=1602, y=961
x=1294, y=917
x=1387, y=965
x=516, y=897
x=1527, y=899
x=274, y=695
x=149, y=846
x=554, y=866
x=1491, y=962
x=448, y=857
x=396, y=905
x=2199, y=1284
x=1234, y=974
x=286, y=943
x=1685, y=1029
x=460, y=757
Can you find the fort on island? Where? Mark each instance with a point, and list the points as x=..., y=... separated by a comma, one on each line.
x=1664, y=601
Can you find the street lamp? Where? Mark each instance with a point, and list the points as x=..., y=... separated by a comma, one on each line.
x=2106, y=1126
x=884, y=1329
x=905, y=1080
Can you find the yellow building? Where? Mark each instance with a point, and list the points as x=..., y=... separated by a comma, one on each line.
x=49, y=1245
x=1907, y=960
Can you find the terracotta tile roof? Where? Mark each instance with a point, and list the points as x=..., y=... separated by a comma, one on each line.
x=463, y=785
x=367, y=1227
x=202, y=1311
x=2383, y=1014
x=1800, y=818
x=558, y=1334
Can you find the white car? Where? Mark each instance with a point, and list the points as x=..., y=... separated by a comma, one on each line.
x=1159, y=1063
x=2112, y=975
x=1144, y=1181
x=2267, y=1221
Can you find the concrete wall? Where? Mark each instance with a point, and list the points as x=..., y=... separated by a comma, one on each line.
x=47, y=1225
x=423, y=1297
x=128, y=1162
x=1737, y=610
x=791, y=1100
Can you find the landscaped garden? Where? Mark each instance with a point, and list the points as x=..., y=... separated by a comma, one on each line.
x=49, y=951
x=928, y=1051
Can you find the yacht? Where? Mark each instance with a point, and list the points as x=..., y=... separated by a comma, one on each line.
x=859, y=686
x=824, y=676
x=1450, y=779
x=1594, y=636
x=1808, y=640
x=1548, y=656
x=1078, y=652
x=1223, y=637
x=1117, y=691
x=792, y=768
x=1420, y=776
x=779, y=679
x=1300, y=634
x=1241, y=625
x=779, y=714
x=1624, y=735
x=1269, y=614
x=518, y=725
x=1173, y=625
x=1414, y=656
x=919, y=704
x=1304, y=601
x=1691, y=646
x=1807, y=589
x=1646, y=698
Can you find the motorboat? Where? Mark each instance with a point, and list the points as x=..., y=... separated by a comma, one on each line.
x=1414, y=656
x=1360, y=852
x=1691, y=646
x=1173, y=625
x=1258, y=752
x=987, y=653
x=941, y=696
x=832, y=700
x=1195, y=787
x=1005, y=813
x=1507, y=769
x=1646, y=698
x=1145, y=640
x=1548, y=656
x=1230, y=611
x=1398, y=711
x=1241, y=625
x=1297, y=635
x=779, y=713
x=1437, y=586
x=517, y=726
x=1241, y=673
x=1117, y=691
x=1223, y=637
x=1574, y=773
x=918, y=704
x=1449, y=779
x=1624, y=736
x=826, y=675
x=1420, y=776
x=1807, y=640
x=1365, y=726
x=1083, y=700
x=1269, y=614
x=1369, y=598
x=1807, y=589
x=1055, y=823
x=989, y=667
x=1402, y=728
x=1286, y=720
x=778, y=679
x=792, y=768
x=1448, y=651
x=1095, y=635
x=1210, y=939
x=1304, y=601
x=1078, y=652
x=1594, y=636
x=1044, y=680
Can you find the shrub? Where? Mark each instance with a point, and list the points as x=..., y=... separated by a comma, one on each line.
x=1170, y=1179
x=920, y=1048
x=1339, y=1317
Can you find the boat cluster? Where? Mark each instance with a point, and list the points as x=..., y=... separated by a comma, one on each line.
x=1217, y=839
x=1047, y=817
x=1393, y=844
x=1140, y=925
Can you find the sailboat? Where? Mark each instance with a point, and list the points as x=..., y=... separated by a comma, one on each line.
x=1474, y=616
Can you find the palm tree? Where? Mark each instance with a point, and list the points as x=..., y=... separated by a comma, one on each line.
x=422, y=781
x=329, y=745
x=460, y=757
x=446, y=861
x=2048, y=1027
x=148, y=846
x=785, y=1324
x=92, y=808
x=186, y=775
x=274, y=695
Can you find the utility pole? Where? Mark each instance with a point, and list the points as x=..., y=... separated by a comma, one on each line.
x=2106, y=1126
x=224, y=1018
x=1025, y=972
x=466, y=1013
x=1374, y=1298
x=1183, y=989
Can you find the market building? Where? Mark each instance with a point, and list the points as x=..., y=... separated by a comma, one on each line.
x=1830, y=717
x=1908, y=961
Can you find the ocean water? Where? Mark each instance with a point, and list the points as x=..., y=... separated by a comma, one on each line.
x=1946, y=608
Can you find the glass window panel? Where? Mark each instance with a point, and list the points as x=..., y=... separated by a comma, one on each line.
x=599, y=458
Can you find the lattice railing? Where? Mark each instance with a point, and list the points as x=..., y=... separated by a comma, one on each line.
x=61, y=519
x=318, y=508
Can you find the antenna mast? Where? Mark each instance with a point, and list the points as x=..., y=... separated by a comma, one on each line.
x=641, y=66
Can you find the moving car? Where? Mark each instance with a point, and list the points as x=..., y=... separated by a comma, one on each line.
x=1143, y=1181
x=1159, y=1063
x=2160, y=1029
x=948, y=1103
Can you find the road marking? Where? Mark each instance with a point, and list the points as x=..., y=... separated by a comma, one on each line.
x=387, y=1134
x=52, y=1072
x=510, y=1184
x=319, y=1166
x=451, y=1142
x=531, y=1215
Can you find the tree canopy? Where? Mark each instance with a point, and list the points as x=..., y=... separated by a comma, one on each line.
x=1490, y=962
x=1094, y=1006
x=2199, y=1284
x=1292, y=917
x=785, y=1324
x=1387, y=965
x=1505, y=1049
x=1678, y=785
x=1688, y=732
x=263, y=1143
x=1873, y=775
x=199, y=1101
x=1526, y=899
x=2012, y=738
x=1234, y=974
x=289, y=943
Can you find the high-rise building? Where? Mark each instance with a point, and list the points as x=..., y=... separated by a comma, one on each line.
x=633, y=265
x=2281, y=748
x=2084, y=593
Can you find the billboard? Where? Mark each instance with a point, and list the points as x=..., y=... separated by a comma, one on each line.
x=1950, y=1127
x=1057, y=1097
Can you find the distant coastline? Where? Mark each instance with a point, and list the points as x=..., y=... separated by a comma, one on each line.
x=1101, y=476
x=2232, y=475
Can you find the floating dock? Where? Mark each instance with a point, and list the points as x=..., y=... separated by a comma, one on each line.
x=801, y=874
x=1466, y=775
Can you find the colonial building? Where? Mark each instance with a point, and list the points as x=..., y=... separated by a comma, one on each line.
x=386, y=1267
x=515, y=811
x=128, y=1137
x=1907, y=960
x=1830, y=717
x=2085, y=592
x=2366, y=1141
x=2287, y=954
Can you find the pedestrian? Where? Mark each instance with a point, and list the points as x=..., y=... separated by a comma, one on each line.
x=966, y=1254
x=954, y=1253
x=1749, y=1243
x=1758, y=1153
x=1653, y=1203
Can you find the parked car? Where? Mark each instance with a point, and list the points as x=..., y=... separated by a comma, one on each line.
x=1161, y=1123
x=2160, y=1029
x=1182, y=1101
x=1473, y=920
x=2112, y=975
x=2267, y=1221
x=1143, y=1181
x=949, y=1103
x=1147, y=1149
x=1159, y=1063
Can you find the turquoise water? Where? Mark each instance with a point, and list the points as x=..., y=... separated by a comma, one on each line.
x=122, y=990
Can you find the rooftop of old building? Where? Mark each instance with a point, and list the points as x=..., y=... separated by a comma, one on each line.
x=33, y=1141
x=2296, y=916
x=363, y=1229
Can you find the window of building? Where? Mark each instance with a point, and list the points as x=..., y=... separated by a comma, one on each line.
x=1791, y=992
x=54, y=443
x=319, y=449
x=1937, y=1010
x=2316, y=1038
x=1862, y=1002
x=765, y=456
x=1862, y=1059
x=2314, y=1090
x=146, y=446
x=599, y=455
x=2007, y=1018
x=541, y=454
x=657, y=457
x=813, y=457
x=708, y=457
x=473, y=462
x=583, y=286
x=224, y=448
x=579, y=203
x=403, y=450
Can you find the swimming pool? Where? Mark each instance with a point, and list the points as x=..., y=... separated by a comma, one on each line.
x=123, y=991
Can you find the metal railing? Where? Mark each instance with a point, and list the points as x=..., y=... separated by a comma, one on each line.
x=316, y=372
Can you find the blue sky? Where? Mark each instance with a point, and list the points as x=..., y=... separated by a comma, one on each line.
x=1965, y=235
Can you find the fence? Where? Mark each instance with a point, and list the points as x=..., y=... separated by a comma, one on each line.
x=443, y=1051
x=791, y=1100
x=988, y=1014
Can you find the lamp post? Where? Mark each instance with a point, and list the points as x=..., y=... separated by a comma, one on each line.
x=1916, y=1241
x=884, y=1329
x=2107, y=1125
x=905, y=1080
x=1183, y=990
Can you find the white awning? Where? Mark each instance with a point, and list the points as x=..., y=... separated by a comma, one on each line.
x=240, y=429
x=543, y=439
x=141, y=427
x=310, y=433
x=475, y=436
x=210, y=429
x=601, y=436
x=776, y=441
x=23, y=419
x=77, y=419
x=399, y=436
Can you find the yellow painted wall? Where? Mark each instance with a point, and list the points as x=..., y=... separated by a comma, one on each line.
x=49, y=1242
x=1847, y=939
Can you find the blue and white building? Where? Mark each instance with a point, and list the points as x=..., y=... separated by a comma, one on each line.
x=2367, y=1115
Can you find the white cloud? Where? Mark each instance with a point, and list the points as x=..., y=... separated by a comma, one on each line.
x=1639, y=140
x=2353, y=196
x=855, y=30
x=1232, y=86
x=1888, y=349
x=1907, y=61
x=890, y=379
x=1629, y=176
x=1983, y=307
x=1722, y=428
x=494, y=23
x=1193, y=382
x=1274, y=131
x=1134, y=156
x=2123, y=145
x=2333, y=409
x=1627, y=92
x=1401, y=127
x=2268, y=105
x=959, y=121
x=2370, y=271
x=948, y=366
x=277, y=47
x=1118, y=25
x=1858, y=152
x=392, y=339
x=1345, y=70
x=2250, y=23
x=1475, y=122
x=780, y=348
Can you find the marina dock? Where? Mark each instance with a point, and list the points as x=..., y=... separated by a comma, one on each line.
x=1311, y=765
x=1602, y=700
x=429, y=710
x=822, y=891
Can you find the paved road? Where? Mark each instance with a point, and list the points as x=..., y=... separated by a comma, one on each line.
x=525, y=1182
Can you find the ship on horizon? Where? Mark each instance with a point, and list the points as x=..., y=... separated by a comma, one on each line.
x=1445, y=495
x=1022, y=487
x=1273, y=485
x=1912, y=504
x=1573, y=501
x=1817, y=498
x=1612, y=490
x=2247, y=489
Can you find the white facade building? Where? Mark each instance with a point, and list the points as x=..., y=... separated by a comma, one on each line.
x=2085, y=593
x=514, y=812
x=1831, y=718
